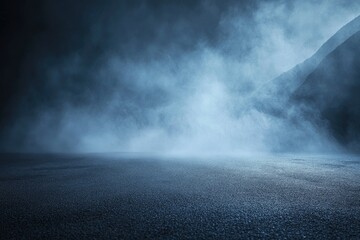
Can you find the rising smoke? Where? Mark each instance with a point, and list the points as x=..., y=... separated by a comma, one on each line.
x=168, y=77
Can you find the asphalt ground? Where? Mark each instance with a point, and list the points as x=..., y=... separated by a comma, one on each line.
x=148, y=196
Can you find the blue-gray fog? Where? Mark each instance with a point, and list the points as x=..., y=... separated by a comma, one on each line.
x=180, y=76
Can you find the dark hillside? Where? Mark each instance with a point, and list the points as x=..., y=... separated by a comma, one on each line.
x=332, y=91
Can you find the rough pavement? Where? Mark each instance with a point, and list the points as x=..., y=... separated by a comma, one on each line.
x=91, y=196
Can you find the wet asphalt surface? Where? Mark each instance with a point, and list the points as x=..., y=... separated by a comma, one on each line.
x=124, y=196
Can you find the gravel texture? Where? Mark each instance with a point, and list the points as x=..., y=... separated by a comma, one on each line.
x=128, y=196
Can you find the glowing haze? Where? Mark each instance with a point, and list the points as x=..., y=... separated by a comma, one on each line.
x=189, y=87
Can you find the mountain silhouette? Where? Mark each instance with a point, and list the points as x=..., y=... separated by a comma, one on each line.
x=324, y=89
x=331, y=93
x=274, y=95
